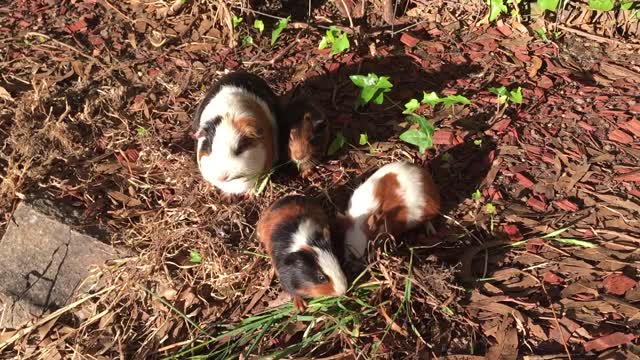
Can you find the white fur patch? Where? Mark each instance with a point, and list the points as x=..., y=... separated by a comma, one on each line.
x=326, y=259
x=244, y=169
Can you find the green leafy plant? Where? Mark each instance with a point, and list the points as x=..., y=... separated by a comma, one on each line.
x=280, y=25
x=372, y=87
x=338, y=40
x=259, y=24
x=477, y=195
x=421, y=137
x=195, y=257
x=364, y=139
x=247, y=40
x=626, y=4
x=337, y=143
x=601, y=5
x=550, y=5
x=236, y=21
x=496, y=7
x=141, y=131
x=411, y=106
x=477, y=142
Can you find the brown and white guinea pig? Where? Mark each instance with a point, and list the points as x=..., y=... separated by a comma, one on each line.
x=237, y=131
x=396, y=198
x=296, y=234
x=309, y=134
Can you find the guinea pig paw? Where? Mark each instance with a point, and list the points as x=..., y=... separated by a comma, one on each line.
x=431, y=231
x=299, y=303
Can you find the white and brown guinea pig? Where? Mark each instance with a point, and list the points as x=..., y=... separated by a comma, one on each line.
x=296, y=234
x=237, y=131
x=396, y=198
x=309, y=134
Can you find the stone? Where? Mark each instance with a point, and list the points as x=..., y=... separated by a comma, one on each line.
x=44, y=261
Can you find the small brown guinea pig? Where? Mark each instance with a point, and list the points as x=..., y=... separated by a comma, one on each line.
x=296, y=234
x=308, y=136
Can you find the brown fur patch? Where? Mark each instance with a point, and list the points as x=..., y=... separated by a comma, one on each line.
x=300, y=140
x=271, y=218
x=432, y=196
x=201, y=154
x=316, y=290
x=257, y=126
x=394, y=213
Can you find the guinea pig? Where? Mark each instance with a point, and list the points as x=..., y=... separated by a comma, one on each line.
x=308, y=134
x=236, y=127
x=295, y=232
x=396, y=198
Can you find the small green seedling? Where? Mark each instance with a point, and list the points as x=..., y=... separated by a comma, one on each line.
x=337, y=143
x=601, y=5
x=247, y=40
x=514, y=96
x=338, y=40
x=259, y=24
x=496, y=7
x=281, y=25
x=491, y=210
x=141, y=131
x=421, y=137
x=364, y=139
x=477, y=142
x=236, y=21
x=195, y=257
x=542, y=32
x=411, y=106
x=476, y=196
x=372, y=87
x=550, y=5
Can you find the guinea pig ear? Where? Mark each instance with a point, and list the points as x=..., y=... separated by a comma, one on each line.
x=326, y=233
x=247, y=126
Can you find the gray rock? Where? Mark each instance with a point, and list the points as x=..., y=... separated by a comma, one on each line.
x=43, y=262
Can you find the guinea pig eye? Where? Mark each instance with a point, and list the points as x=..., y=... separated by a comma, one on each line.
x=243, y=145
x=321, y=278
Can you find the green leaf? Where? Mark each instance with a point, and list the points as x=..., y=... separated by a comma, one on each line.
x=195, y=257
x=575, y=242
x=490, y=208
x=236, y=21
x=418, y=138
x=515, y=96
x=542, y=32
x=411, y=106
x=263, y=184
x=358, y=80
x=550, y=5
x=340, y=44
x=141, y=131
x=367, y=94
x=431, y=98
x=384, y=83
x=626, y=4
x=364, y=139
x=601, y=5
x=477, y=195
x=259, y=24
x=501, y=92
x=323, y=43
x=455, y=99
x=336, y=144
x=247, y=40
x=477, y=142
x=555, y=233
x=496, y=7
x=281, y=25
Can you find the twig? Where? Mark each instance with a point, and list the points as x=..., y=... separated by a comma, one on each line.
x=108, y=4
x=597, y=38
x=34, y=34
x=241, y=8
x=348, y=13
x=564, y=341
x=614, y=233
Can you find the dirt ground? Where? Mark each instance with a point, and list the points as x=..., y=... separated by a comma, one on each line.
x=96, y=103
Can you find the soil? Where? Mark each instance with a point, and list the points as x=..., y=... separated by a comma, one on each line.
x=96, y=104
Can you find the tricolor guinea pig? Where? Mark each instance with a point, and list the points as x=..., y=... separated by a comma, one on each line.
x=295, y=232
x=237, y=131
x=396, y=198
x=309, y=134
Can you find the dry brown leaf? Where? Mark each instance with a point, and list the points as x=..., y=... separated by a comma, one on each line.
x=609, y=341
x=536, y=64
x=506, y=347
